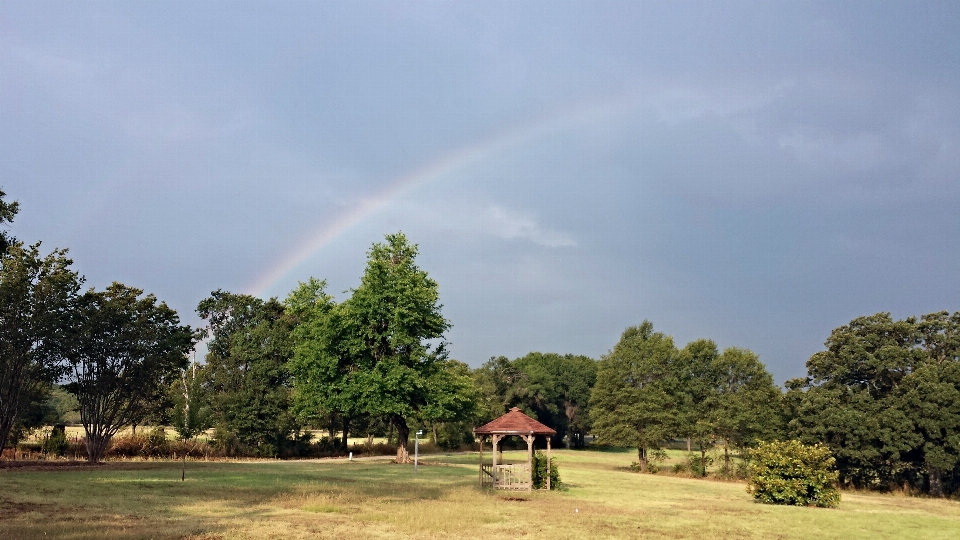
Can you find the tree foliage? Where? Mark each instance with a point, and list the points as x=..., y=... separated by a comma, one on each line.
x=885, y=398
x=393, y=331
x=247, y=382
x=36, y=293
x=7, y=212
x=634, y=402
x=647, y=393
x=191, y=413
x=323, y=364
x=557, y=392
x=501, y=384
x=125, y=350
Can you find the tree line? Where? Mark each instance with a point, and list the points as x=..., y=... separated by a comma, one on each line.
x=884, y=396
x=114, y=350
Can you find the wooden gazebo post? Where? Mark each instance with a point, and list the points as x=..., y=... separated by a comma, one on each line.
x=548, y=463
x=481, y=461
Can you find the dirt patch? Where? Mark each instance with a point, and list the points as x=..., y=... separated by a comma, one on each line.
x=514, y=499
x=58, y=465
x=10, y=509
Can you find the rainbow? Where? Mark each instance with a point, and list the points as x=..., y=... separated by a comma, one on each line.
x=456, y=161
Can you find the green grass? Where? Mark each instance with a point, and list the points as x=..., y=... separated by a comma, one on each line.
x=375, y=499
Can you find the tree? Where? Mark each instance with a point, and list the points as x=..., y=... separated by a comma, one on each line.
x=699, y=383
x=323, y=362
x=395, y=330
x=931, y=397
x=191, y=416
x=747, y=409
x=451, y=395
x=634, y=400
x=885, y=397
x=7, y=212
x=35, y=305
x=125, y=351
x=247, y=381
x=557, y=391
x=501, y=384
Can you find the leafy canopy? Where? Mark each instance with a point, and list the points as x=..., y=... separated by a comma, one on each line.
x=125, y=351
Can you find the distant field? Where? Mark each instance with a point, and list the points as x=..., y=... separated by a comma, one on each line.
x=375, y=499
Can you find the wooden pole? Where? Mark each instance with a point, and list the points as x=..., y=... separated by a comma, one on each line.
x=548, y=463
x=481, y=461
x=493, y=470
x=529, y=439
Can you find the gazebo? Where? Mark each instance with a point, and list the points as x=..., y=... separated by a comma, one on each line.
x=516, y=476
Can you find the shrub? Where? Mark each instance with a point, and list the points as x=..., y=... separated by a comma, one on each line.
x=698, y=466
x=57, y=443
x=127, y=447
x=540, y=472
x=792, y=473
x=226, y=442
x=156, y=443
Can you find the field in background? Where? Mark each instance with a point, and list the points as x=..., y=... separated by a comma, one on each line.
x=372, y=498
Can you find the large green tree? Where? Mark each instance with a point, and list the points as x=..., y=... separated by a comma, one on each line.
x=557, y=391
x=452, y=400
x=395, y=330
x=247, y=381
x=747, y=408
x=36, y=293
x=324, y=362
x=501, y=385
x=125, y=351
x=728, y=397
x=931, y=397
x=885, y=397
x=634, y=402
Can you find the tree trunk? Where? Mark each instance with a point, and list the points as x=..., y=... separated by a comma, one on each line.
x=332, y=428
x=346, y=431
x=390, y=433
x=726, y=457
x=936, y=482
x=369, y=439
x=96, y=446
x=570, y=410
x=703, y=461
x=642, y=456
x=403, y=435
x=5, y=425
x=434, y=426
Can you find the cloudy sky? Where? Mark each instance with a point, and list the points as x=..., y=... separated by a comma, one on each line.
x=754, y=173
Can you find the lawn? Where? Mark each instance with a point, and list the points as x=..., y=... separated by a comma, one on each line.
x=373, y=498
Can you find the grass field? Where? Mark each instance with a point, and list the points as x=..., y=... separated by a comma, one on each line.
x=375, y=499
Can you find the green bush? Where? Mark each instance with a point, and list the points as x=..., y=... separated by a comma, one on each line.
x=699, y=465
x=540, y=472
x=57, y=443
x=789, y=472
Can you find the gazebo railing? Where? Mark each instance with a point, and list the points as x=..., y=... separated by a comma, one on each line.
x=510, y=476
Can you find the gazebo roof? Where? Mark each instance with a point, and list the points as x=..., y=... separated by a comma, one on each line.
x=514, y=422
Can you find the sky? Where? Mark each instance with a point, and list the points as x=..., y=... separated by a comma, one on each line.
x=755, y=173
